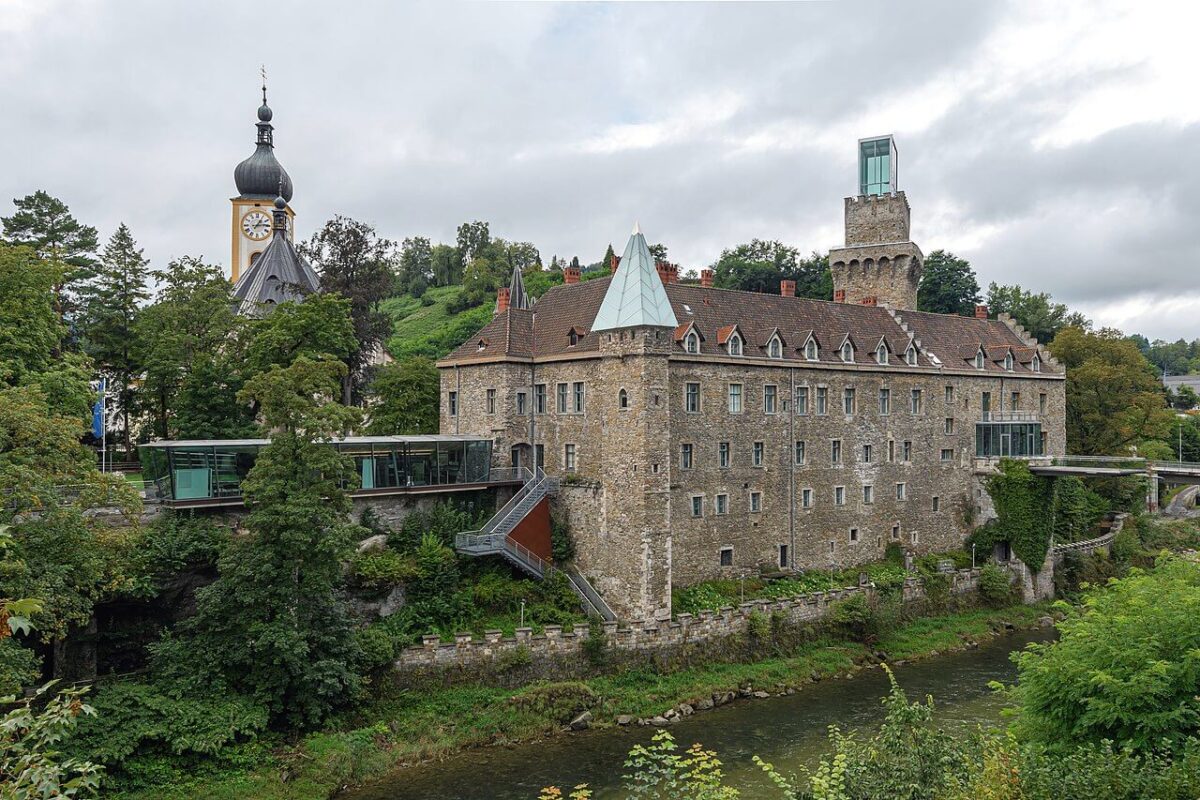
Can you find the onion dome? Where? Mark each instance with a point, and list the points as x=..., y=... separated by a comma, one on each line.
x=261, y=175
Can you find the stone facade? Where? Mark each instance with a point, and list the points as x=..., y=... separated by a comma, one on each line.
x=879, y=264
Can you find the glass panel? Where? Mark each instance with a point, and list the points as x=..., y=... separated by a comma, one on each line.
x=422, y=463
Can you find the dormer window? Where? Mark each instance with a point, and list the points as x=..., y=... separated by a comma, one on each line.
x=881, y=354
x=572, y=338
x=692, y=342
x=848, y=353
x=735, y=345
x=1008, y=362
x=979, y=359
x=910, y=356
x=483, y=343
x=1036, y=365
x=775, y=348
x=810, y=350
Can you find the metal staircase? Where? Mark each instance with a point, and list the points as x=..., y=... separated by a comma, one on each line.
x=494, y=539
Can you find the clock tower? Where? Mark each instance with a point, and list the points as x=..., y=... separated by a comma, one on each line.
x=259, y=179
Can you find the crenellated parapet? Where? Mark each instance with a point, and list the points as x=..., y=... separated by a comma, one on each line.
x=879, y=265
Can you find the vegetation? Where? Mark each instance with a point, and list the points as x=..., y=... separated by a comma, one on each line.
x=759, y=266
x=30, y=764
x=948, y=285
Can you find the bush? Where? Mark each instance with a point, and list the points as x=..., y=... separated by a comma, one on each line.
x=995, y=588
x=560, y=702
x=378, y=571
x=937, y=589
x=377, y=647
x=562, y=546
x=853, y=617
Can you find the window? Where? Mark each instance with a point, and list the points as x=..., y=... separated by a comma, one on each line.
x=835, y=451
x=914, y=402
x=848, y=400
x=907, y=452
x=848, y=353
x=770, y=393
x=783, y=556
x=1014, y=400
x=454, y=404
x=521, y=403
x=912, y=537
x=910, y=356
x=937, y=503
x=949, y=427
x=867, y=453
x=758, y=454
x=806, y=498
x=735, y=398
x=853, y=535
x=562, y=398
x=901, y=491
x=1042, y=402
x=1036, y=364
x=539, y=399
x=839, y=495
x=810, y=350
x=979, y=359
x=1008, y=362
x=774, y=348
x=868, y=495
x=885, y=401
x=622, y=399
x=832, y=546
x=947, y=455
x=721, y=504
x=985, y=404
x=726, y=556
x=697, y=505
x=692, y=342
x=539, y=456
x=735, y=345
x=949, y=395
x=881, y=354
x=723, y=454
x=691, y=398
x=891, y=450
x=685, y=456
x=822, y=400
x=569, y=457
x=572, y=338
x=491, y=401
x=802, y=399
x=896, y=532
x=800, y=453
x=577, y=397
x=755, y=502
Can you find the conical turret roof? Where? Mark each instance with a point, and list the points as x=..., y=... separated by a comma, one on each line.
x=636, y=296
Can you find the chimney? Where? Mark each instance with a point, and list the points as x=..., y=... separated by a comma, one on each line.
x=666, y=272
x=706, y=276
x=502, y=295
x=571, y=275
x=787, y=288
x=981, y=312
x=839, y=295
x=613, y=263
x=867, y=301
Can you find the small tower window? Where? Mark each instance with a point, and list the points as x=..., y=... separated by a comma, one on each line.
x=735, y=345
x=910, y=356
x=979, y=359
x=1008, y=362
x=810, y=350
x=622, y=399
x=881, y=354
x=692, y=342
x=848, y=353
x=774, y=348
x=1037, y=363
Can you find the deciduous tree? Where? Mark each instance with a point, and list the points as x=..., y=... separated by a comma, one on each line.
x=948, y=285
x=1037, y=312
x=405, y=398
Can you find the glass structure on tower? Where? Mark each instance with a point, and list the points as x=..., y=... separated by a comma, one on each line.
x=876, y=165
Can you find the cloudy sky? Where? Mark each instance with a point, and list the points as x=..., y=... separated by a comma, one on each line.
x=1054, y=145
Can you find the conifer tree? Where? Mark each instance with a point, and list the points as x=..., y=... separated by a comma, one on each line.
x=45, y=224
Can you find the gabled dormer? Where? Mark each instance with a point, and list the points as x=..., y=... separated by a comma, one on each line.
x=980, y=358
x=1009, y=360
x=910, y=353
x=689, y=338
x=730, y=337
x=811, y=349
x=883, y=352
x=775, y=344
x=846, y=349
x=574, y=335
x=1036, y=363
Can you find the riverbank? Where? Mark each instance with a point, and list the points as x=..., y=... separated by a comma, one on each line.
x=399, y=726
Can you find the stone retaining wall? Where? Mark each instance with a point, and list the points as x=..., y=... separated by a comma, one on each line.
x=645, y=636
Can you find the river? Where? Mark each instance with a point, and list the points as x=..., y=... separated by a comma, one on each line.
x=788, y=731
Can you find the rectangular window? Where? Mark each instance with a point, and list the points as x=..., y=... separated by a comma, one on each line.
x=867, y=454
x=822, y=401
x=783, y=556
x=454, y=404
x=691, y=398
x=806, y=498
x=721, y=504
x=901, y=491
x=912, y=537
x=885, y=401
x=853, y=535
x=947, y=454
x=937, y=503
x=985, y=404
x=802, y=399
x=770, y=393
x=949, y=396
x=685, y=456
x=539, y=455
x=562, y=398
x=896, y=532
x=907, y=452
x=835, y=451
x=839, y=495
x=726, y=556
x=1014, y=400
x=723, y=454
x=949, y=425
x=1042, y=403
x=891, y=451
x=697, y=505
x=577, y=396
x=914, y=402
x=800, y=454
x=569, y=457
x=848, y=400
x=755, y=502
x=735, y=398
x=868, y=495
x=758, y=454
x=520, y=403
x=539, y=399
x=491, y=401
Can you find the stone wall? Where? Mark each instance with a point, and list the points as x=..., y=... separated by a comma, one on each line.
x=708, y=627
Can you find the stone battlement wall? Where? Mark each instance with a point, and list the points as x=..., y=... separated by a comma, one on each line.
x=646, y=636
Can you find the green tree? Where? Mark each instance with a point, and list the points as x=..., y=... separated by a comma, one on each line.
x=446, y=264
x=110, y=301
x=659, y=251
x=609, y=255
x=1114, y=400
x=30, y=329
x=472, y=238
x=414, y=270
x=320, y=326
x=760, y=266
x=405, y=398
x=45, y=224
x=273, y=626
x=1038, y=313
x=357, y=264
x=948, y=285
x=31, y=736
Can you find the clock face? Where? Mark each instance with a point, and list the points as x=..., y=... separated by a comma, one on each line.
x=256, y=225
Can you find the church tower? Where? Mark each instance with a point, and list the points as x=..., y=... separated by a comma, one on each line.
x=259, y=180
x=879, y=265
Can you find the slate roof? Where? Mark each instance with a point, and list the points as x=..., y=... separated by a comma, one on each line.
x=278, y=275
x=944, y=340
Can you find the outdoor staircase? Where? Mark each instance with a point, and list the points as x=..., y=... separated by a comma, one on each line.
x=494, y=538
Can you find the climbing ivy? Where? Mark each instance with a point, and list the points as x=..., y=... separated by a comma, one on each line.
x=1024, y=504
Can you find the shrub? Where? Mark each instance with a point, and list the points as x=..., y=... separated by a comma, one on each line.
x=853, y=617
x=595, y=646
x=994, y=586
x=562, y=546
x=560, y=702
x=378, y=571
x=376, y=645
x=30, y=761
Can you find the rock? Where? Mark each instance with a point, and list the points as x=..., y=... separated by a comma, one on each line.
x=582, y=721
x=686, y=710
x=744, y=692
x=934, y=653
x=704, y=704
x=1046, y=622
x=376, y=542
x=671, y=713
x=392, y=603
x=814, y=676
x=625, y=719
x=761, y=694
x=1008, y=626
x=789, y=690
x=900, y=663
x=660, y=722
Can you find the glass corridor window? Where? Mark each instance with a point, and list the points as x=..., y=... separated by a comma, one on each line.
x=875, y=164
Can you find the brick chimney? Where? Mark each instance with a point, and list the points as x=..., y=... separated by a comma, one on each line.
x=981, y=312
x=706, y=278
x=502, y=295
x=667, y=272
x=571, y=274
x=839, y=295
x=613, y=263
x=867, y=301
x=787, y=288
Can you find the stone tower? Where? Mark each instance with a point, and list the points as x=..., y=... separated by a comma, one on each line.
x=879, y=264
x=259, y=180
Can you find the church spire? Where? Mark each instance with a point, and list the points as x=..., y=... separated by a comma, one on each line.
x=517, y=297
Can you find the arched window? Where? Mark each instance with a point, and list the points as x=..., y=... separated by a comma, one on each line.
x=622, y=399
x=881, y=354
x=572, y=338
x=774, y=348
x=1037, y=363
x=848, y=353
x=1008, y=362
x=692, y=342
x=979, y=359
x=810, y=350
x=735, y=345
x=910, y=356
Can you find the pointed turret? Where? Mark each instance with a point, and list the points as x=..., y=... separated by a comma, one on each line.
x=636, y=296
x=517, y=297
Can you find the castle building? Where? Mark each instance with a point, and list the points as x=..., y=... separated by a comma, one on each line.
x=704, y=433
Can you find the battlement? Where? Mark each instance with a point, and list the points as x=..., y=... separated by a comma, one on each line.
x=885, y=274
x=877, y=219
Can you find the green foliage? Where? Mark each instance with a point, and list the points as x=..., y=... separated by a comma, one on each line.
x=560, y=702
x=433, y=330
x=995, y=586
x=30, y=329
x=1021, y=499
x=405, y=398
x=19, y=666
x=562, y=546
x=377, y=571
x=1036, y=312
x=659, y=771
x=595, y=646
x=31, y=764
x=318, y=328
x=1124, y=668
x=178, y=542
x=443, y=521
x=760, y=266
x=853, y=617
x=937, y=589
x=948, y=285
x=376, y=646
x=1076, y=509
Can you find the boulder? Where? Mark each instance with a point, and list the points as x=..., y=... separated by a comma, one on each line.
x=660, y=722
x=376, y=542
x=704, y=704
x=582, y=721
x=686, y=709
x=761, y=694
x=624, y=719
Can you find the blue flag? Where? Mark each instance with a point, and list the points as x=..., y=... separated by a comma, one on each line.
x=98, y=414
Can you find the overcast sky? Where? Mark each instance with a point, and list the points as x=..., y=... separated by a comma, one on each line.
x=1054, y=145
